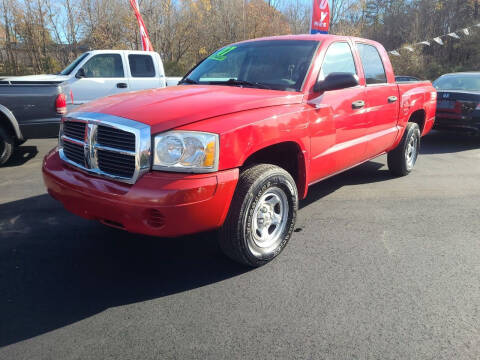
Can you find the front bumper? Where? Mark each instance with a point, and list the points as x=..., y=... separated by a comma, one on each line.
x=158, y=204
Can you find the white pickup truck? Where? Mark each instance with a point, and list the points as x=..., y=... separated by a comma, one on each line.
x=32, y=106
x=100, y=73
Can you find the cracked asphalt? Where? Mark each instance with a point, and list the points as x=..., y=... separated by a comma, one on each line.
x=379, y=268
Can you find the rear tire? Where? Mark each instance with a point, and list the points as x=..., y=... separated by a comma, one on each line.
x=7, y=144
x=262, y=215
x=402, y=159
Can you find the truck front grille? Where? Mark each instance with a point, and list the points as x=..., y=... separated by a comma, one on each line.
x=110, y=146
x=74, y=152
x=74, y=130
x=115, y=138
x=116, y=164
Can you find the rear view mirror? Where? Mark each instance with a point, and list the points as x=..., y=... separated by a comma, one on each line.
x=336, y=81
x=80, y=73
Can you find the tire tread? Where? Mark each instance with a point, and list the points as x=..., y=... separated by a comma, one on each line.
x=230, y=239
x=396, y=157
x=9, y=145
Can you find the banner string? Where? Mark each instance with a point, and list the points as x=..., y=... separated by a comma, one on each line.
x=438, y=40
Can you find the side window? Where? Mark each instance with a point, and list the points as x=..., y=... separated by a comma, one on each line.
x=339, y=58
x=141, y=66
x=372, y=64
x=104, y=66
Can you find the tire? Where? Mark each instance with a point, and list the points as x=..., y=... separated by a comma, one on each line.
x=7, y=144
x=401, y=160
x=262, y=215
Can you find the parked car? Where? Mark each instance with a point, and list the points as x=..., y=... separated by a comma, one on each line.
x=239, y=143
x=28, y=103
x=402, y=78
x=458, y=106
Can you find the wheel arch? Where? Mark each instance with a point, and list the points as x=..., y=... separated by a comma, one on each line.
x=8, y=120
x=419, y=117
x=288, y=155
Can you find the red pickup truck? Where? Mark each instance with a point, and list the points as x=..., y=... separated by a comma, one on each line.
x=238, y=143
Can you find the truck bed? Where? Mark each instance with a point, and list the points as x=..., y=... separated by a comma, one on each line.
x=33, y=106
x=417, y=92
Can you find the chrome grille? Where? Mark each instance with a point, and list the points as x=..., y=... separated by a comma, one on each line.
x=115, y=138
x=116, y=164
x=74, y=152
x=111, y=146
x=74, y=130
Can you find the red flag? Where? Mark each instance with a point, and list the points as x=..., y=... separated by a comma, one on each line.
x=320, y=17
x=146, y=44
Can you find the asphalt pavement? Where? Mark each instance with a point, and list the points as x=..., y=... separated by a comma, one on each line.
x=379, y=268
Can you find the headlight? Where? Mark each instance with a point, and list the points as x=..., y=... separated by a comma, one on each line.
x=186, y=151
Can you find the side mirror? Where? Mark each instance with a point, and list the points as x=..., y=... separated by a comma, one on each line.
x=336, y=81
x=80, y=74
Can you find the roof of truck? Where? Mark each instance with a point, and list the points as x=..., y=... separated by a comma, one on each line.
x=315, y=37
x=103, y=51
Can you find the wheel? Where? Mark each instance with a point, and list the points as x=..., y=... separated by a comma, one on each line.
x=401, y=160
x=262, y=215
x=7, y=145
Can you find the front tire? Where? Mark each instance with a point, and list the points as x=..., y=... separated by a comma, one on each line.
x=262, y=215
x=402, y=159
x=7, y=145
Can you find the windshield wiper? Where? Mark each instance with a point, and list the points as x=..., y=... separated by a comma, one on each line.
x=187, y=81
x=235, y=82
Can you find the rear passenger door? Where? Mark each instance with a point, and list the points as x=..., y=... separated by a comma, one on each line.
x=382, y=103
x=143, y=73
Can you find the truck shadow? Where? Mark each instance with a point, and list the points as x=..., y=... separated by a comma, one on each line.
x=57, y=269
x=367, y=173
x=445, y=142
x=21, y=155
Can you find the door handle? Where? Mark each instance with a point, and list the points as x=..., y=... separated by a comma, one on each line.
x=358, y=104
x=392, y=99
x=122, y=85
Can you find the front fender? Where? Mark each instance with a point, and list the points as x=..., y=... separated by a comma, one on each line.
x=245, y=133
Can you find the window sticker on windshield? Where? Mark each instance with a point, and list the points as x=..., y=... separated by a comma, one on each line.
x=222, y=54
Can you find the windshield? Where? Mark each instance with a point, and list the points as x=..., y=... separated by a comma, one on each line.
x=458, y=82
x=277, y=65
x=73, y=65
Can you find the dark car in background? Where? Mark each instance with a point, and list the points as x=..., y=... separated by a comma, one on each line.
x=458, y=102
x=403, y=78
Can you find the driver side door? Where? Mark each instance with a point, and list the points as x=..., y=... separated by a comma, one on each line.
x=340, y=120
x=104, y=76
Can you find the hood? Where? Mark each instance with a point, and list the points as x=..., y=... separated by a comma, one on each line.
x=165, y=109
x=39, y=78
